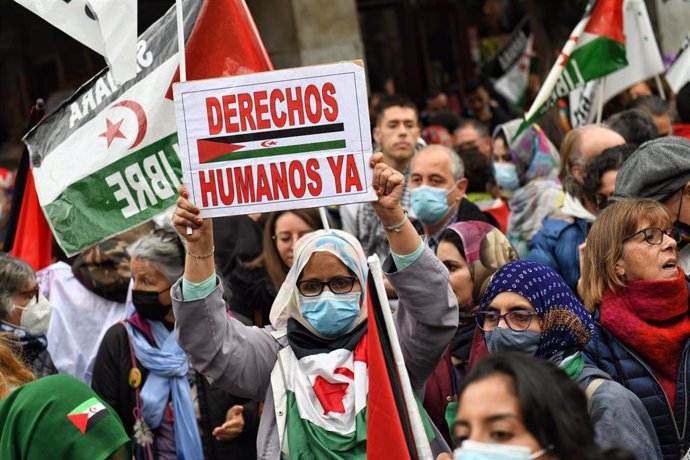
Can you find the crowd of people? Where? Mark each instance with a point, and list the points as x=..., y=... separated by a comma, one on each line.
x=538, y=279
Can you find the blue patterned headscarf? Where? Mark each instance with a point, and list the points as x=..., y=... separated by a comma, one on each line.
x=564, y=321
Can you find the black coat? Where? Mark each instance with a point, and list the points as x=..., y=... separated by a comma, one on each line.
x=110, y=375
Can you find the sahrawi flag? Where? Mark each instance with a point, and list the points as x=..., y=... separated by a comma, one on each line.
x=509, y=67
x=348, y=402
x=107, y=159
x=644, y=61
x=109, y=27
x=595, y=48
x=87, y=414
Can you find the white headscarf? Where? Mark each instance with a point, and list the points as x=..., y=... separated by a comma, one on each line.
x=342, y=245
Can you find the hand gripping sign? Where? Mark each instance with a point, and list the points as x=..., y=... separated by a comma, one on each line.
x=269, y=141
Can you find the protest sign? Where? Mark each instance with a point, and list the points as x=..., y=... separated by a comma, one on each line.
x=287, y=139
x=107, y=159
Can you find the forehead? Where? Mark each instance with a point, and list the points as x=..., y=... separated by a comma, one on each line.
x=324, y=265
x=430, y=161
x=487, y=397
x=398, y=113
x=290, y=221
x=506, y=300
x=447, y=250
x=597, y=139
x=145, y=268
x=467, y=132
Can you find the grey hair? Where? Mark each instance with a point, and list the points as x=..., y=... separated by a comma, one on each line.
x=164, y=250
x=15, y=274
x=457, y=168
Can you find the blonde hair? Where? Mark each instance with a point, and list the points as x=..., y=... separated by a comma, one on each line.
x=13, y=373
x=605, y=244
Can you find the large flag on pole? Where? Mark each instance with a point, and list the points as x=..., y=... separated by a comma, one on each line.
x=106, y=160
x=109, y=27
x=509, y=67
x=595, y=48
x=679, y=73
x=395, y=427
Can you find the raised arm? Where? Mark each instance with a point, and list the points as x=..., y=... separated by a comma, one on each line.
x=199, y=265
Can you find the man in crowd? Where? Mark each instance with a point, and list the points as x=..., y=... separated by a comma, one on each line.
x=436, y=102
x=635, y=125
x=437, y=183
x=482, y=108
x=472, y=134
x=659, y=109
x=556, y=244
x=660, y=170
x=396, y=133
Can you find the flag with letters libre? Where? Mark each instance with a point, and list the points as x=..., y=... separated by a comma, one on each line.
x=107, y=159
x=595, y=48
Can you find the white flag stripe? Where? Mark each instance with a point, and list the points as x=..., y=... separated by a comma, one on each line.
x=641, y=49
x=679, y=73
x=59, y=169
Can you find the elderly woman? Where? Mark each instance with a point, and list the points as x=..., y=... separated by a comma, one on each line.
x=528, y=307
x=472, y=251
x=632, y=281
x=25, y=313
x=141, y=371
x=322, y=306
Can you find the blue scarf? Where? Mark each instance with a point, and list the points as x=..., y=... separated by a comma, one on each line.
x=167, y=368
x=565, y=323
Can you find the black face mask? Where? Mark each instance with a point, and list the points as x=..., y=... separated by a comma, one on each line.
x=148, y=306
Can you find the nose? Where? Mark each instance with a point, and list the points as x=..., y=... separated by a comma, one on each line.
x=668, y=243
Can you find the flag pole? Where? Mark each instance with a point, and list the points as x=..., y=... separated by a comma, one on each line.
x=179, y=14
x=420, y=439
x=662, y=93
x=324, y=218
x=600, y=103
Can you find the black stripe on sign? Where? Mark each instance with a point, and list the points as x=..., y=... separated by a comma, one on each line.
x=279, y=133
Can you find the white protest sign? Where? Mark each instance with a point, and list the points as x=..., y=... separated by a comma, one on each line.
x=269, y=141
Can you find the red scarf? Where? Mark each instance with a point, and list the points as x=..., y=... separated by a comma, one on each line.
x=655, y=326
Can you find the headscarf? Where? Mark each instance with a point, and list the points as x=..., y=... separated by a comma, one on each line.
x=59, y=417
x=342, y=245
x=564, y=321
x=508, y=130
x=486, y=250
x=534, y=155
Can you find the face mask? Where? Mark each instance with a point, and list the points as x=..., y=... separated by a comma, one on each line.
x=429, y=204
x=331, y=314
x=506, y=176
x=504, y=339
x=472, y=450
x=35, y=315
x=148, y=306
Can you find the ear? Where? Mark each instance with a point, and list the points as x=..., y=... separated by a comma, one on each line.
x=377, y=135
x=462, y=188
x=620, y=269
x=578, y=172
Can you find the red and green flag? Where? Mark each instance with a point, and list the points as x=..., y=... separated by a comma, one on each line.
x=595, y=48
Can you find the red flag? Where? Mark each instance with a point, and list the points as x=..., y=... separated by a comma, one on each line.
x=33, y=240
x=388, y=426
x=224, y=42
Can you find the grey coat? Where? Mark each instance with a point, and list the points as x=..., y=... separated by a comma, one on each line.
x=619, y=417
x=239, y=359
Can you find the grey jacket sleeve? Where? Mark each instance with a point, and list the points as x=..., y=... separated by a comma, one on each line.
x=237, y=358
x=427, y=316
x=621, y=420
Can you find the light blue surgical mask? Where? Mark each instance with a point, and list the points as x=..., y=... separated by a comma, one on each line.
x=429, y=204
x=331, y=314
x=472, y=450
x=505, y=339
x=506, y=176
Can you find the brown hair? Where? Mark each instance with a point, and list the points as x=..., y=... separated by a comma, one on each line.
x=605, y=244
x=269, y=257
x=13, y=372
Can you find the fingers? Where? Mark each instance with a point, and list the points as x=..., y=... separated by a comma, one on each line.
x=376, y=158
x=182, y=190
x=386, y=179
x=234, y=411
x=183, y=217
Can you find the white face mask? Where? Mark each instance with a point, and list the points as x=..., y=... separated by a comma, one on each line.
x=472, y=450
x=35, y=315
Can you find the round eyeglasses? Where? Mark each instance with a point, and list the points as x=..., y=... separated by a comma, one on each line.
x=517, y=320
x=337, y=285
x=655, y=235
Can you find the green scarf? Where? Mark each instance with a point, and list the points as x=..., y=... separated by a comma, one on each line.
x=60, y=417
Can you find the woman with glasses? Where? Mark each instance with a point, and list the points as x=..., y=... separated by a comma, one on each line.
x=255, y=283
x=168, y=409
x=309, y=365
x=529, y=308
x=25, y=314
x=639, y=296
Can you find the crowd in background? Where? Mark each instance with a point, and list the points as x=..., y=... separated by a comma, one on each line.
x=564, y=254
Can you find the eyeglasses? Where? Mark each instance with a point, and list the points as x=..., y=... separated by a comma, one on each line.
x=655, y=235
x=337, y=285
x=517, y=320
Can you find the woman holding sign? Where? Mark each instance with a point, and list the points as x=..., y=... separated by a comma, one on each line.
x=310, y=366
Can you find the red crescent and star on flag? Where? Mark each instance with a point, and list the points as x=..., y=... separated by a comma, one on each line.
x=112, y=130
